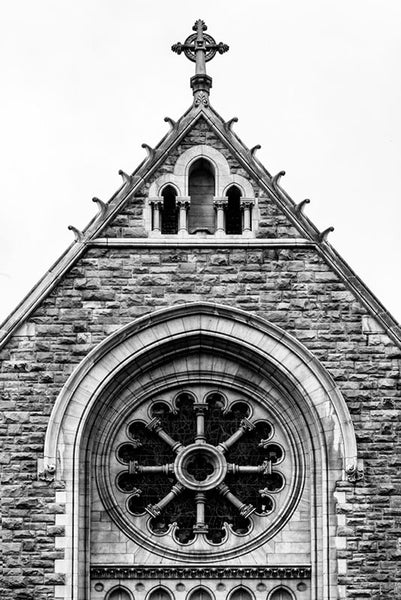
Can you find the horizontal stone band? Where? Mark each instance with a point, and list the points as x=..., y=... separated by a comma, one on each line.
x=142, y=572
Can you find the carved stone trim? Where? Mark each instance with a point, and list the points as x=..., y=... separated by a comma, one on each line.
x=46, y=472
x=147, y=572
x=354, y=471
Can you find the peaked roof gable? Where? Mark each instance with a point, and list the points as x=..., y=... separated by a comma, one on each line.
x=256, y=171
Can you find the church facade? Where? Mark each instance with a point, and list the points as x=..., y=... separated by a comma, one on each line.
x=200, y=399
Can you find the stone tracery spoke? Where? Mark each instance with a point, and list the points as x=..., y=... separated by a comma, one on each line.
x=200, y=525
x=244, y=427
x=200, y=409
x=245, y=510
x=156, y=509
x=264, y=469
x=155, y=426
x=134, y=468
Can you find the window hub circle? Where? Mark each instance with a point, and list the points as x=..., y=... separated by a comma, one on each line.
x=200, y=467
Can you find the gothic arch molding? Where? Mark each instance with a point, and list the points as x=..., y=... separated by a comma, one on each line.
x=179, y=177
x=273, y=354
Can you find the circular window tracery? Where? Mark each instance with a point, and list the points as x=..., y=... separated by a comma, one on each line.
x=200, y=465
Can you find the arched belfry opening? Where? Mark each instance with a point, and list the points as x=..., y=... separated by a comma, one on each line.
x=233, y=211
x=169, y=220
x=201, y=187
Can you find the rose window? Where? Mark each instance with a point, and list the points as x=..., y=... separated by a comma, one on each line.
x=200, y=466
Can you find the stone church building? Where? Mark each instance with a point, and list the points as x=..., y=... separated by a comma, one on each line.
x=200, y=399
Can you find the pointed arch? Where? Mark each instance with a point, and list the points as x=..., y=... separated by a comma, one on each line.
x=233, y=211
x=169, y=217
x=201, y=188
x=271, y=357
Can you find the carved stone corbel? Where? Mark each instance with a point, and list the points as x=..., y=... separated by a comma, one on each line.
x=299, y=208
x=46, y=472
x=150, y=151
x=171, y=122
x=79, y=236
x=354, y=470
x=229, y=124
x=102, y=206
x=323, y=234
x=254, y=149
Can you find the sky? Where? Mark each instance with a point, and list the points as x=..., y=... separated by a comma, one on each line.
x=315, y=82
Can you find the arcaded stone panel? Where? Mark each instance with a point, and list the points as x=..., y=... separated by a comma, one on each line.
x=292, y=288
x=131, y=223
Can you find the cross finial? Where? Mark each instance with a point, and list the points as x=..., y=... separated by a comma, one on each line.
x=199, y=48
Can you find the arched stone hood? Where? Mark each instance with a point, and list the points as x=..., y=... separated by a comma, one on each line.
x=266, y=348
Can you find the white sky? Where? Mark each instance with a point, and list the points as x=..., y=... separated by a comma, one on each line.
x=315, y=82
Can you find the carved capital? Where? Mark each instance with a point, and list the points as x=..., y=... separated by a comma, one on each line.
x=246, y=203
x=154, y=510
x=266, y=467
x=246, y=510
x=154, y=424
x=220, y=203
x=200, y=528
x=156, y=202
x=133, y=467
x=183, y=201
x=246, y=425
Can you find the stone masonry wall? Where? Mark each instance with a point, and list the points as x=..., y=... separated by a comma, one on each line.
x=294, y=289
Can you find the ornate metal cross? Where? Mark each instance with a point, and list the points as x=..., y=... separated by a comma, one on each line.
x=200, y=48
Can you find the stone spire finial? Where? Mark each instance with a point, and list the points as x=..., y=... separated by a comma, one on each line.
x=200, y=48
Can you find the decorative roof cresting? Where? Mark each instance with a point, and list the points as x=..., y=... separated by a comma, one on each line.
x=199, y=48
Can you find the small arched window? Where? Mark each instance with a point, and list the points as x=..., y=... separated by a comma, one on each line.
x=169, y=215
x=159, y=594
x=241, y=593
x=119, y=593
x=281, y=594
x=200, y=593
x=233, y=211
x=201, y=184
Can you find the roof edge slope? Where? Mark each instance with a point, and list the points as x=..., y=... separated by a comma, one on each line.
x=133, y=182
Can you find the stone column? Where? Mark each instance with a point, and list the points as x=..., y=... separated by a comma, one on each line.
x=220, y=204
x=200, y=409
x=246, y=206
x=183, y=203
x=157, y=205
